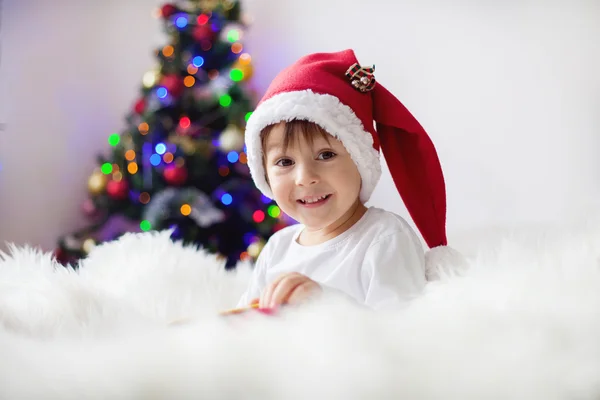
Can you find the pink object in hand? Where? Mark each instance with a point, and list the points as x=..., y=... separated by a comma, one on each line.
x=267, y=311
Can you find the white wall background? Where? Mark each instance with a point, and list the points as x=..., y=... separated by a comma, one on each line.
x=509, y=91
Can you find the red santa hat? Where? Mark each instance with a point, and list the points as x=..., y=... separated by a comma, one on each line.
x=334, y=91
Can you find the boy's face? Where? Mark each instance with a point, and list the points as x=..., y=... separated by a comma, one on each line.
x=303, y=174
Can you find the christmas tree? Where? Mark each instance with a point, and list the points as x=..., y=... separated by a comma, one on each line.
x=180, y=163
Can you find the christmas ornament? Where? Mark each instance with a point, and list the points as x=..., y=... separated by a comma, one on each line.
x=231, y=33
x=255, y=248
x=245, y=66
x=175, y=175
x=72, y=243
x=117, y=190
x=166, y=203
x=97, y=183
x=89, y=208
x=167, y=123
x=204, y=32
x=167, y=10
x=61, y=256
x=192, y=130
x=140, y=106
x=151, y=78
x=203, y=93
x=173, y=83
x=58, y=253
x=208, y=5
x=185, y=143
x=228, y=4
x=361, y=78
x=158, y=207
x=88, y=245
x=204, y=212
x=220, y=85
x=231, y=139
x=204, y=148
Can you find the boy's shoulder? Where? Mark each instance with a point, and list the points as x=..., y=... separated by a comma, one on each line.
x=284, y=235
x=386, y=225
x=380, y=222
x=376, y=223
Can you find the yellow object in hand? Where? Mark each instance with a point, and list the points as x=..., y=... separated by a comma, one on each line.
x=239, y=310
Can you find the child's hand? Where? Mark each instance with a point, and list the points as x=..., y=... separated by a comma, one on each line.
x=291, y=288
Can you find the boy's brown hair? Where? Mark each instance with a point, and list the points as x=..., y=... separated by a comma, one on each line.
x=292, y=130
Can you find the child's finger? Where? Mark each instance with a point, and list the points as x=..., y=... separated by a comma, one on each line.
x=267, y=294
x=284, y=289
x=303, y=291
x=255, y=301
x=298, y=293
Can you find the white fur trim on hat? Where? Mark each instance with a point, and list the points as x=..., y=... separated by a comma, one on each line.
x=329, y=113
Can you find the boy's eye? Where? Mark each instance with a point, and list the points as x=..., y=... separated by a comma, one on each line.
x=284, y=162
x=326, y=155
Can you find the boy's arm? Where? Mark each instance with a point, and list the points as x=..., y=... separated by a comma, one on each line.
x=257, y=281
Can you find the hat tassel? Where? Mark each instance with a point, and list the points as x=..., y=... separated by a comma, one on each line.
x=443, y=262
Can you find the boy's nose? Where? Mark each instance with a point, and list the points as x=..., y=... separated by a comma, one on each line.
x=306, y=175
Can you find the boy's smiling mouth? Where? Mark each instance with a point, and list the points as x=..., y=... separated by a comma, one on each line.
x=313, y=200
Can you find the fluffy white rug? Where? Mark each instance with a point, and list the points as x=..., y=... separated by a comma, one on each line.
x=523, y=324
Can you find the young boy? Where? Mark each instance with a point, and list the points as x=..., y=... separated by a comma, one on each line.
x=312, y=147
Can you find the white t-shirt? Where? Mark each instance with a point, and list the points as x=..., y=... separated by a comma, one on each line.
x=379, y=262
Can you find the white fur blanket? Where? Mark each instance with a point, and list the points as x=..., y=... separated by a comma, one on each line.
x=523, y=324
